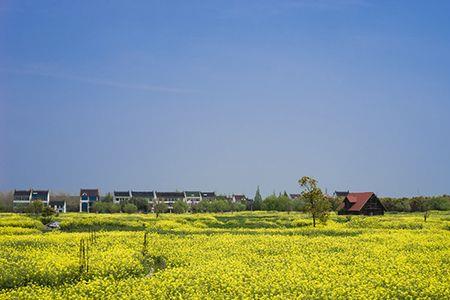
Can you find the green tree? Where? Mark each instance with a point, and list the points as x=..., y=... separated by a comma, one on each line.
x=270, y=203
x=239, y=207
x=114, y=208
x=35, y=207
x=418, y=204
x=298, y=204
x=202, y=206
x=316, y=204
x=399, y=205
x=47, y=215
x=48, y=211
x=220, y=205
x=335, y=202
x=6, y=201
x=257, y=201
x=100, y=207
x=278, y=203
x=130, y=208
x=425, y=215
x=159, y=208
x=180, y=207
x=439, y=202
x=108, y=198
x=140, y=202
x=284, y=203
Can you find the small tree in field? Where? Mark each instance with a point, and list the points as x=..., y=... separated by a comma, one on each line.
x=316, y=204
x=159, y=208
x=425, y=215
x=426, y=211
x=47, y=214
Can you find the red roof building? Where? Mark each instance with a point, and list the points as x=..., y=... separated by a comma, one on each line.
x=366, y=203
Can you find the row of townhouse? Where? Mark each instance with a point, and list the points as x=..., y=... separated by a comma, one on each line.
x=88, y=197
x=169, y=198
x=22, y=198
x=190, y=197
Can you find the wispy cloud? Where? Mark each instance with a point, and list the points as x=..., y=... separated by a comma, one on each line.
x=44, y=72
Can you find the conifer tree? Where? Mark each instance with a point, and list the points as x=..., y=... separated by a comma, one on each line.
x=257, y=201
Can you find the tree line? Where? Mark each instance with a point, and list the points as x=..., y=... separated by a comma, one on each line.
x=136, y=204
x=416, y=204
x=280, y=202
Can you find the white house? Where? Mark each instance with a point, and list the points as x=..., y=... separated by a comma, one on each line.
x=208, y=195
x=22, y=198
x=41, y=195
x=58, y=206
x=148, y=195
x=192, y=197
x=169, y=198
x=121, y=196
x=87, y=199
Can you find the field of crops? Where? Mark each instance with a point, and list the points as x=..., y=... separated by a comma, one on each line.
x=224, y=256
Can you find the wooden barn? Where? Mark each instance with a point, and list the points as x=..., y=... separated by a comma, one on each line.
x=361, y=204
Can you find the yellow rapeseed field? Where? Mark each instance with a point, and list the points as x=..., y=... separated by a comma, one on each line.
x=226, y=256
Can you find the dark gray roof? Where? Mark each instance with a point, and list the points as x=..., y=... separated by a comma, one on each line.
x=142, y=194
x=22, y=192
x=192, y=194
x=57, y=202
x=169, y=194
x=39, y=193
x=122, y=193
x=89, y=192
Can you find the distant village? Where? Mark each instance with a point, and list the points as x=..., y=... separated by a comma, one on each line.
x=366, y=203
x=88, y=197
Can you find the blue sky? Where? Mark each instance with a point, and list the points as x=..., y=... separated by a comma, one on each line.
x=225, y=95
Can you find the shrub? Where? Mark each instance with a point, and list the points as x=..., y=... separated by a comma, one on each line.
x=159, y=208
x=47, y=211
x=35, y=207
x=345, y=219
x=105, y=207
x=180, y=207
x=130, y=208
x=46, y=219
x=440, y=203
x=140, y=202
x=238, y=207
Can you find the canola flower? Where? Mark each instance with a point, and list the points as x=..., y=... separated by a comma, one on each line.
x=229, y=256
